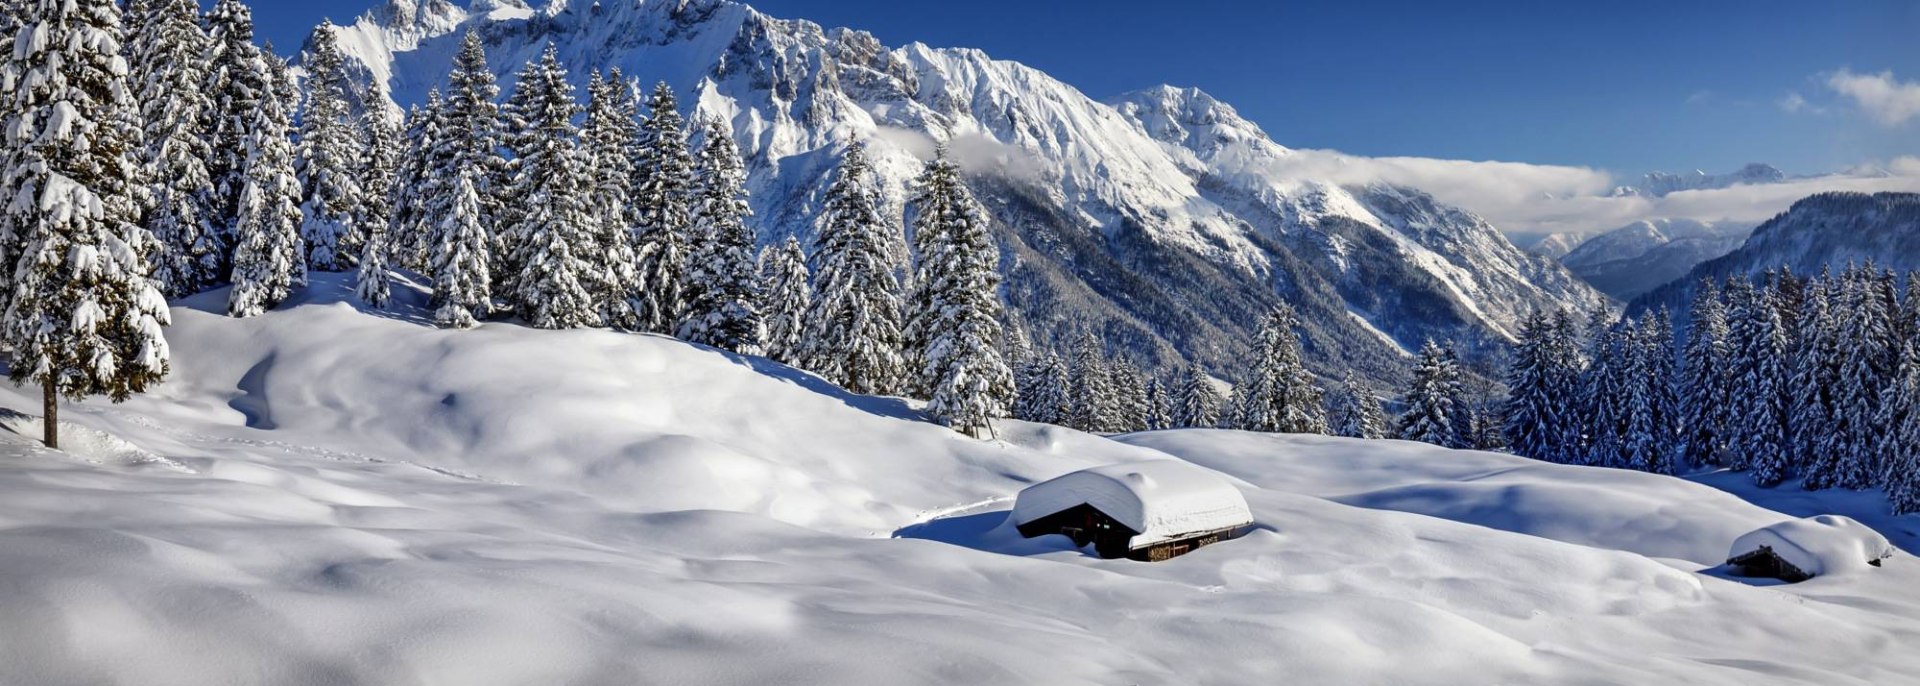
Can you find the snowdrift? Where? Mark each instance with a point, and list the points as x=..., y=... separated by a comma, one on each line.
x=365, y=500
x=1811, y=547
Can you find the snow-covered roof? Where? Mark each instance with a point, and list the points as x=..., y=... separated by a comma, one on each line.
x=1161, y=499
x=1818, y=545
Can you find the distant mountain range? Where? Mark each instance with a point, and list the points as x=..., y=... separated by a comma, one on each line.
x=1154, y=219
x=1661, y=184
x=1639, y=257
x=1821, y=231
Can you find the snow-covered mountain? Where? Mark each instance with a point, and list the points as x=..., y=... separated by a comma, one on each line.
x=1152, y=220
x=1823, y=230
x=1639, y=257
x=1660, y=184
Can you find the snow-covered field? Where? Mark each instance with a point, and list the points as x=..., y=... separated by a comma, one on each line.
x=328, y=496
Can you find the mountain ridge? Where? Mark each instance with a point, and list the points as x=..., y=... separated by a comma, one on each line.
x=1167, y=237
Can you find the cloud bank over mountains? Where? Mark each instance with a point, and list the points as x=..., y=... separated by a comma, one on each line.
x=1527, y=200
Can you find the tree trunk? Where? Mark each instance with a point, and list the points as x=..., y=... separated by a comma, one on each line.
x=50, y=415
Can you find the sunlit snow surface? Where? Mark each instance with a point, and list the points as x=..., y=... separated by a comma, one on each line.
x=327, y=496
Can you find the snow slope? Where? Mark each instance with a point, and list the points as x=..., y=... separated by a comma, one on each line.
x=342, y=497
x=1154, y=220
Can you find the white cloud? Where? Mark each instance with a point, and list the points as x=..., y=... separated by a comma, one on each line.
x=1533, y=200
x=1794, y=103
x=1888, y=100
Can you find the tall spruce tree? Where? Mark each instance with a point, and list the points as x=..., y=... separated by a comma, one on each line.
x=418, y=187
x=468, y=133
x=663, y=199
x=787, y=295
x=723, y=296
x=1091, y=402
x=1540, y=387
x=83, y=318
x=556, y=224
x=1281, y=395
x=1042, y=382
x=378, y=168
x=1815, y=370
x=1130, y=393
x=1759, y=369
x=958, y=275
x=166, y=56
x=853, y=335
x=609, y=135
x=269, y=260
x=330, y=144
x=1199, y=404
x=1869, y=357
x=1356, y=411
x=1902, y=474
x=1706, y=387
x=1652, y=432
x=240, y=88
x=1159, y=405
x=1431, y=414
x=462, y=283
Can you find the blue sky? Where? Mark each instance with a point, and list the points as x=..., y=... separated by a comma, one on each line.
x=1623, y=85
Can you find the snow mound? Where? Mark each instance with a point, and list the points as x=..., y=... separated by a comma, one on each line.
x=84, y=443
x=378, y=502
x=1817, y=546
x=1160, y=499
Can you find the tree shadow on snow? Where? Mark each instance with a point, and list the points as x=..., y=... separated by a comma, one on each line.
x=408, y=301
x=893, y=408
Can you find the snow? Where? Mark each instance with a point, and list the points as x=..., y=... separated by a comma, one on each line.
x=1161, y=499
x=1822, y=545
x=366, y=499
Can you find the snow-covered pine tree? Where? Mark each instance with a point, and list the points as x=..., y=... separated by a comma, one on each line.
x=1355, y=411
x=556, y=224
x=413, y=227
x=1901, y=399
x=1705, y=388
x=1281, y=395
x=379, y=166
x=1902, y=473
x=663, y=199
x=1042, y=382
x=958, y=278
x=469, y=135
x=1606, y=387
x=1198, y=406
x=84, y=318
x=1815, y=370
x=1430, y=415
x=787, y=295
x=723, y=296
x=166, y=56
x=1652, y=430
x=609, y=135
x=239, y=88
x=853, y=333
x=330, y=143
x=1869, y=359
x=1758, y=367
x=1090, y=394
x=462, y=284
x=1130, y=394
x=269, y=260
x=1538, y=392
x=1159, y=405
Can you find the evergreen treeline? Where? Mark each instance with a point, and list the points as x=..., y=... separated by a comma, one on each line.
x=1784, y=377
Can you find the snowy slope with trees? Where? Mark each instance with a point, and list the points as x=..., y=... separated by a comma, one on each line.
x=507, y=505
x=1120, y=219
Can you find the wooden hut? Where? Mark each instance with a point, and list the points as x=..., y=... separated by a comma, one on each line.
x=1151, y=510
